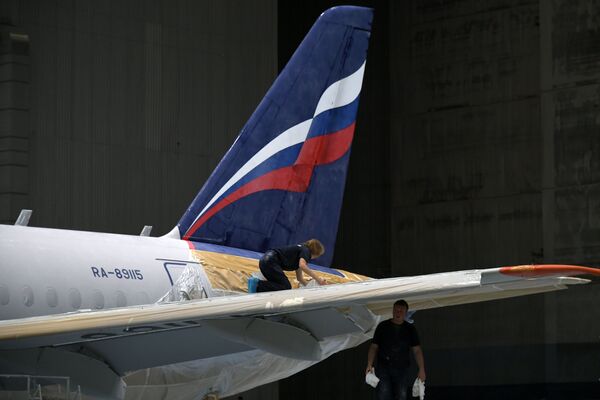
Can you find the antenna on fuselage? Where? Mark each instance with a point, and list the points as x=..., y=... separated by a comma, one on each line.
x=146, y=231
x=23, y=219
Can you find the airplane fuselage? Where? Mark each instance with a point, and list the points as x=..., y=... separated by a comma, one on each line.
x=51, y=271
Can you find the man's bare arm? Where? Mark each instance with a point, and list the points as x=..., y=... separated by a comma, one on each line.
x=300, y=277
x=420, y=361
x=371, y=357
x=306, y=269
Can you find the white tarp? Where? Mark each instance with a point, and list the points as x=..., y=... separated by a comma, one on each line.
x=226, y=375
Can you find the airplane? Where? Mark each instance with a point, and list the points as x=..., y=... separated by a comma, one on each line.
x=170, y=317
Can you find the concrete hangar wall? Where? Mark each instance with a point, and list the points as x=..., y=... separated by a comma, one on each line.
x=495, y=126
x=114, y=113
x=492, y=160
x=477, y=145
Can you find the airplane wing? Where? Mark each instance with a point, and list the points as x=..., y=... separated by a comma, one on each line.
x=287, y=323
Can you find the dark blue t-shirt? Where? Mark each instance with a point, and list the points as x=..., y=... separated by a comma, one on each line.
x=290, y=256
x=394, y=342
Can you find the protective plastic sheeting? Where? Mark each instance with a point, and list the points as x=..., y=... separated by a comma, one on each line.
x=226, y=375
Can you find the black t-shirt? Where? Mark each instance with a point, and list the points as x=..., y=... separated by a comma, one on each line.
x=290, y=256
x=394, y=342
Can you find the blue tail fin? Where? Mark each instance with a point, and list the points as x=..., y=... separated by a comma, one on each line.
x=283, y=179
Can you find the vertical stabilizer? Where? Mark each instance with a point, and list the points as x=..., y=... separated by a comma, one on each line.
x=283, y=179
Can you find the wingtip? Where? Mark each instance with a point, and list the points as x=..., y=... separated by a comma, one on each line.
x=546, y=270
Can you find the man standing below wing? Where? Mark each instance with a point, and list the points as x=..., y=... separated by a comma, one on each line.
x=390, y=351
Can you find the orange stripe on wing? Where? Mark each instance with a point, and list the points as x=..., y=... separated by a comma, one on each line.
x=536, y=271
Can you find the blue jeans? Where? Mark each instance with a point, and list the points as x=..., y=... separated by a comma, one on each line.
x=393, y=383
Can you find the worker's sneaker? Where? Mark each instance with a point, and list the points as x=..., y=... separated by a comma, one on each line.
x=252, y=284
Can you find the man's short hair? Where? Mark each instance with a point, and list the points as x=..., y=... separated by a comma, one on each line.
x=315, y=247
x=401, y=302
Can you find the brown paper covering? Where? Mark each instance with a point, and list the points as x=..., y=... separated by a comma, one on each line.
x=229, y=272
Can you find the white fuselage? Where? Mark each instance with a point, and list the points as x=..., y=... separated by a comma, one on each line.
x=51, y=271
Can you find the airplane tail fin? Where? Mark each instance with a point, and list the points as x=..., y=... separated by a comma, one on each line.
x=282, y=181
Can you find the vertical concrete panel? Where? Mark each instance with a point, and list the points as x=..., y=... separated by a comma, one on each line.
x=14, y=121
x=465, y=130
x=129, y=94
x=467, y=189
x=575, y=45
x=577, y=148
x=153, y=86
x=574, y=101
x=570, y=76
x=473, y=58
x=494, y=110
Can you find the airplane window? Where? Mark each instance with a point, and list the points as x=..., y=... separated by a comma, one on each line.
x=97, y=299
x=4, y=295
x=121, y=300
x=75, y=298
x=27, y=296
x=52, y=297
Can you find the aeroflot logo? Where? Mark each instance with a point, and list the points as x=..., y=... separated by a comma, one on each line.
x=315, y=151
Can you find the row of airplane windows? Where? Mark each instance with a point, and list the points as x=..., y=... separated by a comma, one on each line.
x=74, y=299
